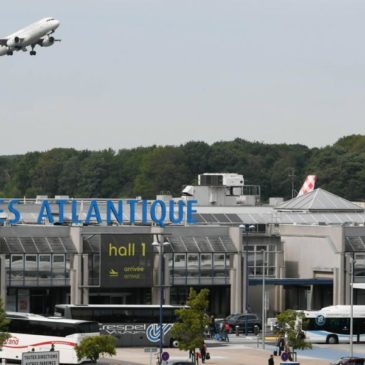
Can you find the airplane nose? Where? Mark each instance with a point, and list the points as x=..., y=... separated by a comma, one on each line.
x=57, y=23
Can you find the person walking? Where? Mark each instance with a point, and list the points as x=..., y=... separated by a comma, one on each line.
x=270, y=361
x=212, y=326
x=225, y=331
x=281, y=345
x=203, y=352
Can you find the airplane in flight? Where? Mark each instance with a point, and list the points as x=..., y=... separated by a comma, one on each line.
x=38, y=33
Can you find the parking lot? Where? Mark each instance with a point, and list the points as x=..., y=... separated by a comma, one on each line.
x=240, y=350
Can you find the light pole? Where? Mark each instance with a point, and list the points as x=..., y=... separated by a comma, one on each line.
x=161, y=245
x=247, y=228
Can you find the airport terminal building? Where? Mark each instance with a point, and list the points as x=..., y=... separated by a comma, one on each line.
x=304, y=252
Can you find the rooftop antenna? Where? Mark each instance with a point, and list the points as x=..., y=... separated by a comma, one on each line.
x=292, y=179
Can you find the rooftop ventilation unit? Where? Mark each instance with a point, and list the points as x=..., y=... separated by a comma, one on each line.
x=220, y=179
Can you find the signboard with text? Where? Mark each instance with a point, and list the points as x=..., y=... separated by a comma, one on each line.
x=126, y=261
x=41, y=358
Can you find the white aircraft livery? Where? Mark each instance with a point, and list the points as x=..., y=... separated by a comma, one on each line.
x=38, y=33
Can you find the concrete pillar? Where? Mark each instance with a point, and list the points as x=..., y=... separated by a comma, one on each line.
x=76, y=274
x=281, y=298
x=236, y=272
x=343, y=281
x=237, y=284
x=335, y=290
x=233, y=293
x=84, y=292
x=309, y=295
x=2, y=279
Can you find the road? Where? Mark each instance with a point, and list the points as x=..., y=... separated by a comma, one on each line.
x=239, y=351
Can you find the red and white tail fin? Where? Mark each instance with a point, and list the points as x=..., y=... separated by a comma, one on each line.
x=308, y=185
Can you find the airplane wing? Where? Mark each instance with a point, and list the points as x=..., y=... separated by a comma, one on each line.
x=16, y=41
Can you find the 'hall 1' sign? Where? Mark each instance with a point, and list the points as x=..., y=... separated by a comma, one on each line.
x=126, y=261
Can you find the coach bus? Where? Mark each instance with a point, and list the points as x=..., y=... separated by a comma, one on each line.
x=332, y=324
x=31, y=332
x=132, y=325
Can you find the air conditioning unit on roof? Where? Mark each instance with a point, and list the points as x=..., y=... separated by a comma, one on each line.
x=220, y=179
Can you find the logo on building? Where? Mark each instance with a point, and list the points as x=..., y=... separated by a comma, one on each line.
x=153, y=331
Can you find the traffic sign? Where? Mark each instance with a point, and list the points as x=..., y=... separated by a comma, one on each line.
x=41, y=358
x=284, y=356
x=165, y=356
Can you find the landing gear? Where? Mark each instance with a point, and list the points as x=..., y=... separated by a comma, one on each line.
x=33, y=52
x=9, y=52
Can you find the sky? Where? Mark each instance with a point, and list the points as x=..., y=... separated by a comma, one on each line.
x=132, y=73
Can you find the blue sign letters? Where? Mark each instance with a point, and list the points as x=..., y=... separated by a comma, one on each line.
x=159, y=211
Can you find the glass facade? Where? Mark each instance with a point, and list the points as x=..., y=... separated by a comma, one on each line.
x=359, y=268
x=94, y=269
x=256, y=254
x=35, y=270
x=199, y=268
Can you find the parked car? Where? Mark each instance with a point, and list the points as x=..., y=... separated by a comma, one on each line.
x=241, y=320
x=219, y=321
x=349, y=361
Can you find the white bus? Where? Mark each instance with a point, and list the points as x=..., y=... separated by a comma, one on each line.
x=131, y=325
x=31, y=332
x=332, y=324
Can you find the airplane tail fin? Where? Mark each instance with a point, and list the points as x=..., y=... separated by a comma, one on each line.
x=308, y=185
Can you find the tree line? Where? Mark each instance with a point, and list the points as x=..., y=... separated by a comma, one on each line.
x=147, y=171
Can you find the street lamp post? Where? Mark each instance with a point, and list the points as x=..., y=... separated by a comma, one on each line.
x=161, y=245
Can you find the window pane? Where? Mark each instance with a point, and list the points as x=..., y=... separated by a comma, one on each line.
x=17, y=267
x=193, y=261
x=58, y=269
x=206, y=261
x=219, y=261
x=44, y=269
x=179, y=261
x=31, y=269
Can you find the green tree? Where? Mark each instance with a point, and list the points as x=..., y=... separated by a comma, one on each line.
x=3, y=324
x=45, y=177
x=96, y=179
x=290, y=328
x=92, y=347
x=161, y=170
x=189, y=330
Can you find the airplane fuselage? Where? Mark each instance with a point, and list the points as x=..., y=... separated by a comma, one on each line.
x=30, y=35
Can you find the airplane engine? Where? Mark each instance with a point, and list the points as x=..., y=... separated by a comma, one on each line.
x=13, y=42
x=46, y=42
